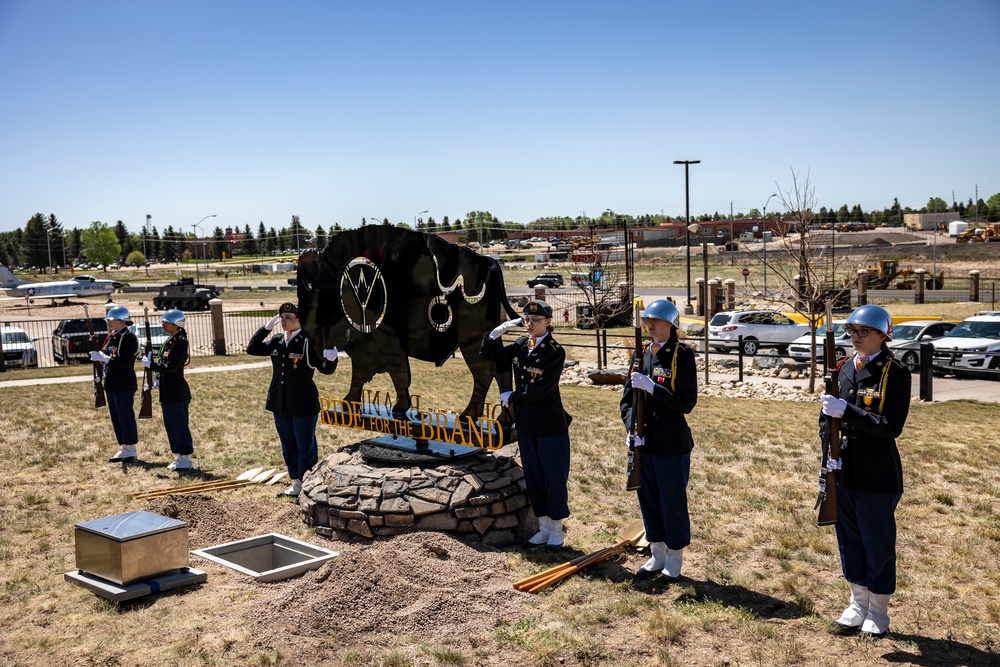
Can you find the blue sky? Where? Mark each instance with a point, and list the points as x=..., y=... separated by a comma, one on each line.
x=333, y=111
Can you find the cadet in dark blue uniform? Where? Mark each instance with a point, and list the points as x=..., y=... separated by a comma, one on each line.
x=668, y=375
x=175, y=395
x=292, y=396
x=873, y=404
x=541, y=422
x=118, y=354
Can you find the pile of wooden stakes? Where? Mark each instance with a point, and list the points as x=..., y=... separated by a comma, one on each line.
x=254, y=476
x=633, y=536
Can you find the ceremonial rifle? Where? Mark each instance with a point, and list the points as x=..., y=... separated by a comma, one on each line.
x=146, y=410
x=634, y=480
x=99, y=399
x=827, y=500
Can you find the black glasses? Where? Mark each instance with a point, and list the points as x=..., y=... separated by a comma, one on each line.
x=534, y=320
x=859, y=332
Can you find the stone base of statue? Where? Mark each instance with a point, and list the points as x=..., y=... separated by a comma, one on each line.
x=481, y=497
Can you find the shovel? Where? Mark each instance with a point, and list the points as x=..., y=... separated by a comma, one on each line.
x=633, y=535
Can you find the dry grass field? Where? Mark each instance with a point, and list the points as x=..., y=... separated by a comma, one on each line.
x=761, y=581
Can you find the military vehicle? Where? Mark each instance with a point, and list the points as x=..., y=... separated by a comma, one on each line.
x=184, y=295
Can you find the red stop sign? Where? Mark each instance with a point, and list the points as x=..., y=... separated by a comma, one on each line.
x=746, y=272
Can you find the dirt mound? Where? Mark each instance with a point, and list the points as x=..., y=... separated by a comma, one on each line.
x=211, y=521
x=431, y=585
x=428, y=584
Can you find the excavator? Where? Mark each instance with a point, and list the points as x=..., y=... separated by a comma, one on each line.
x=889, y=274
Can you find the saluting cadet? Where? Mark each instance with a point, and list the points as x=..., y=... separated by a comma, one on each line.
x=873, y=403
x=118, y=354
x=541, y=422
x=669, y=376
x=175, y=395
x=292, y=396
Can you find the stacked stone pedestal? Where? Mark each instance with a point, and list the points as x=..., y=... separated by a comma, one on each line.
x=479, y=497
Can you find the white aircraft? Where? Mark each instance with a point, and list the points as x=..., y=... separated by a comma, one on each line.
x=78, y=287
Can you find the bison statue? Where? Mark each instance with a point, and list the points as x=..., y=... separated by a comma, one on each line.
x=384, y=294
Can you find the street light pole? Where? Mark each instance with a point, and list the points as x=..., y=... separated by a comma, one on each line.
x=687, y=220
x=417, y=216
x=763, y=235
x=197, y=227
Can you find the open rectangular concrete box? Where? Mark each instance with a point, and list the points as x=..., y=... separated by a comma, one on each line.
x=270, y=557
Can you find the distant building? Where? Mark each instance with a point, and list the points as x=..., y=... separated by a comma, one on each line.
x=922, y=221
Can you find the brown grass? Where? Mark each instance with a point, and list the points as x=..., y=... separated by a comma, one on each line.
x=762, y=582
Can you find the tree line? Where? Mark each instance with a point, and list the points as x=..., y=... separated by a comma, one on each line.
x=43, y=242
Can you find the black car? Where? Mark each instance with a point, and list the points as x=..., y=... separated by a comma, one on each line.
x=547, y=279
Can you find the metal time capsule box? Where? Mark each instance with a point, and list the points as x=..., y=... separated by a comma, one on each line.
x=129, y=547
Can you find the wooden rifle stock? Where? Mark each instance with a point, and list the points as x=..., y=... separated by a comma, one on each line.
x=146, y=410
x=634, y=480
x=827, y=500
x=100, y=400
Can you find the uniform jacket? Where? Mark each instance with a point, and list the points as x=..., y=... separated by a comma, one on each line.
x=169, y=362
x=538, y=408
x=119, y=373
x=675, y=393
x=292, y=391
x=878, y=400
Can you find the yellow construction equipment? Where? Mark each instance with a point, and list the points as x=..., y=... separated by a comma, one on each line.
x=889, y=274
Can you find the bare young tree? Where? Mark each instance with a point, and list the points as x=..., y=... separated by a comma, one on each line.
x=805, y=262
x=600, y=270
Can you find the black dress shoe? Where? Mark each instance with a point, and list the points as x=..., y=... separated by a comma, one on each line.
x=664, y=578
x=125, y=459
x=645, y=575
x=553, y=547
x=845, y=630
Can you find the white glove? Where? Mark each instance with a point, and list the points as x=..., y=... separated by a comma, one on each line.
x=505, y=398
x=636, y=440
x=833, y=406
x=97, y=355
x=505, y=327
x=330, y=354
x=273, y=322
x=147, y=361
x=643, y=382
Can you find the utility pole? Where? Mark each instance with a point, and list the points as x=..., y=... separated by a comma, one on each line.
x=687, y=222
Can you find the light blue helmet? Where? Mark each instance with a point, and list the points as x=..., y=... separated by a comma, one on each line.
x=661, y=309
x=118, y=313
x=873, y=316
x=174, y=316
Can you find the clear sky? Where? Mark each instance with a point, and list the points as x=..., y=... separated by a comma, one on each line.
x=333, y=111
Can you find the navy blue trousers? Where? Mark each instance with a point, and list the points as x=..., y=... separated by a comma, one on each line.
x=663, y=498
x=121, y=405
x=866, y=536
x=545, y=460
x=175, y=421
x=298, y=442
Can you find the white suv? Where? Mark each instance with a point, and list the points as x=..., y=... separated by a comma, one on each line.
x=974, y=345
x=759, y=328
x=801, y=347
x=18, y=349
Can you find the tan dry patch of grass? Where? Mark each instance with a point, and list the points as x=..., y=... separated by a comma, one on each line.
x=761, y=582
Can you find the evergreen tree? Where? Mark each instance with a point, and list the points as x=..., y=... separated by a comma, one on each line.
x=249, y=243
x=168, y=247
x=124, y=240
x=154, y=244
x=34, y=243
x=320, y=237
x=220, y=248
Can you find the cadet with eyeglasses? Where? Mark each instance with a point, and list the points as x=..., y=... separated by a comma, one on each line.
x=873, y=404
x=292, y=395
x=175, y=395
x=118, y=354
x=541, y=422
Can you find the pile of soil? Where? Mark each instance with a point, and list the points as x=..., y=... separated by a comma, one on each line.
x=430, y=585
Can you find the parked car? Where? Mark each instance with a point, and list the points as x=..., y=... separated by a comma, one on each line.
x=759, y=329
x=908, y=336
x=156, y=334
x=71, y=340
x=801, y=347
x=18, y=349
x=547, y=279
x=973, y=345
